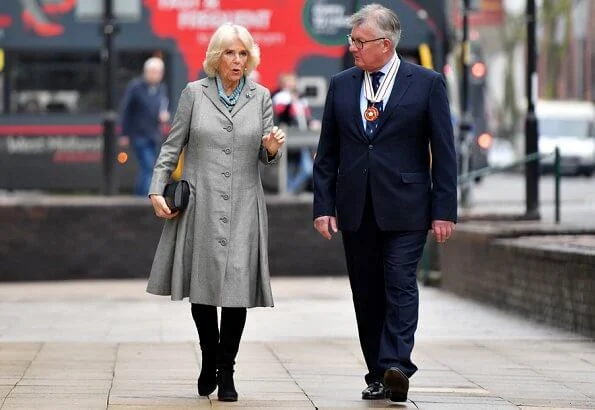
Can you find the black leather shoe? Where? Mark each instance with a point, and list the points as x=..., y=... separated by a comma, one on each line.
x=374, y=391
x=226, y=389
x=396, y=385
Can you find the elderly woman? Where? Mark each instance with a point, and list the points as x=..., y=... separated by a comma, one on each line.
x=215, y=251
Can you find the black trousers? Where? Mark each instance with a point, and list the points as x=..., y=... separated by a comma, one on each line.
x=382, y=272
x=219, y=347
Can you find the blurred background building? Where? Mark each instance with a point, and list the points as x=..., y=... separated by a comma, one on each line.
x=52, y=86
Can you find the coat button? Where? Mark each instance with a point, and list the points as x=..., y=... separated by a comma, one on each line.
x=227, y=151
x=225, y=196
x=223, y=219
x=223, y=242
x=227, y=174
x=370, y=147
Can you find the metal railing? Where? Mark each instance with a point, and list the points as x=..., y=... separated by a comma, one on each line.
x=296, y=139
x=471, y=176
x=430, y=247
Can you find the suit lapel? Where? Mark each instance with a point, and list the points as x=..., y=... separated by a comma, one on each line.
x=355, y=94
x=400, y=86
x=246, y=95
x=210, y=91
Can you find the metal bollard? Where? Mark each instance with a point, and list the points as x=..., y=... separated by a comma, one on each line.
x=282, y=173
x=557, y=178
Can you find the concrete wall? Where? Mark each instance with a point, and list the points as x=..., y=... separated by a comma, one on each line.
x=545, y=273
x=93, y=237
x=514, y=265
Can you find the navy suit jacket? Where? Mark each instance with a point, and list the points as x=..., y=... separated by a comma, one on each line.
x=139, y=110
x=409, y=187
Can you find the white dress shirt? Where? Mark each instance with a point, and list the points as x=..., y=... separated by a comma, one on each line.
x=363, y=101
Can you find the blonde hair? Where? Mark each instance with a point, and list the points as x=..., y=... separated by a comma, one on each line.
x=221, y=39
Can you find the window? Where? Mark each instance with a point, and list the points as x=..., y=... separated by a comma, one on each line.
x=56, y=82
x=68, y=82
x=559, y=127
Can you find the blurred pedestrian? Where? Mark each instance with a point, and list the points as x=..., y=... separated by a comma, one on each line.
x=215, y=252
x=292, y=109
x=144, y=109
x=372, y=175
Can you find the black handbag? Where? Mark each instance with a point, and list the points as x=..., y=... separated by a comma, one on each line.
x=176, y=195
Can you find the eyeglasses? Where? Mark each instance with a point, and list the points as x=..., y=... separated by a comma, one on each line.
x=359, y=43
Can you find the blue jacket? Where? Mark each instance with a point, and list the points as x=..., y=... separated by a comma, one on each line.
x=139, y=110
x=407, y=194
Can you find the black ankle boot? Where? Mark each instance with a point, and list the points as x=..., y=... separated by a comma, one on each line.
x=226, y=387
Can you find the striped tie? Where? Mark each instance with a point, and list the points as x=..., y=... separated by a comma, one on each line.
x=371, y=125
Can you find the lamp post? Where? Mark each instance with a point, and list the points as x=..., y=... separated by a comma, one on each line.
x=531, y=125
x=109, y=29
x=466, y=120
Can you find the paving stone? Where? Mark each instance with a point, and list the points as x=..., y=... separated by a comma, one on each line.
x=143, y=351
x=585, y=387
x=457, y=398
x=13, y=368
x=464, y=406
x=552, y=408
x=324, y=403
x=9, y=380
x=464, y=391
x=4, y=390
x=553, y=403
x=54, y=402
x=68, y=382
x=21, y=351
x=263, y=387
x=264, y=404
x=48, y=372
x=203, y=404
x=88, y=388
x=157, y=401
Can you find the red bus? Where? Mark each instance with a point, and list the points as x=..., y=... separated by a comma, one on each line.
x=51, y=80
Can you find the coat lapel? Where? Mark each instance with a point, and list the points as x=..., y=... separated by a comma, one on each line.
x=400, y=86
x=210, y=91
x=246, y=95
x=355, y=94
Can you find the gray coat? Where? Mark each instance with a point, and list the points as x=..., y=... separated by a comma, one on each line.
x=216, y=251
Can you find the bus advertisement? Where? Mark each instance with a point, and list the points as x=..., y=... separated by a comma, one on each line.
x=51, y=81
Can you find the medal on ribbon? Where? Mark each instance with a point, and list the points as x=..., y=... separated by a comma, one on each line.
x=372, y=113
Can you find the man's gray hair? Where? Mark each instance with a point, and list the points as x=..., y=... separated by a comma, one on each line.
x=153, y=62
x=383, y=19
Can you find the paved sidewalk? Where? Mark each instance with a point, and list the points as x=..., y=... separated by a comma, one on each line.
x=108, y=345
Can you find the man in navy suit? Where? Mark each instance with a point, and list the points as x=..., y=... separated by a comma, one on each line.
x=143, y=111
x=385, y=173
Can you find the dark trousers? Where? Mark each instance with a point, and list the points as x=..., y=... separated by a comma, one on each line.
x=219, y=346
x=382, y=272
x=146, y=151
